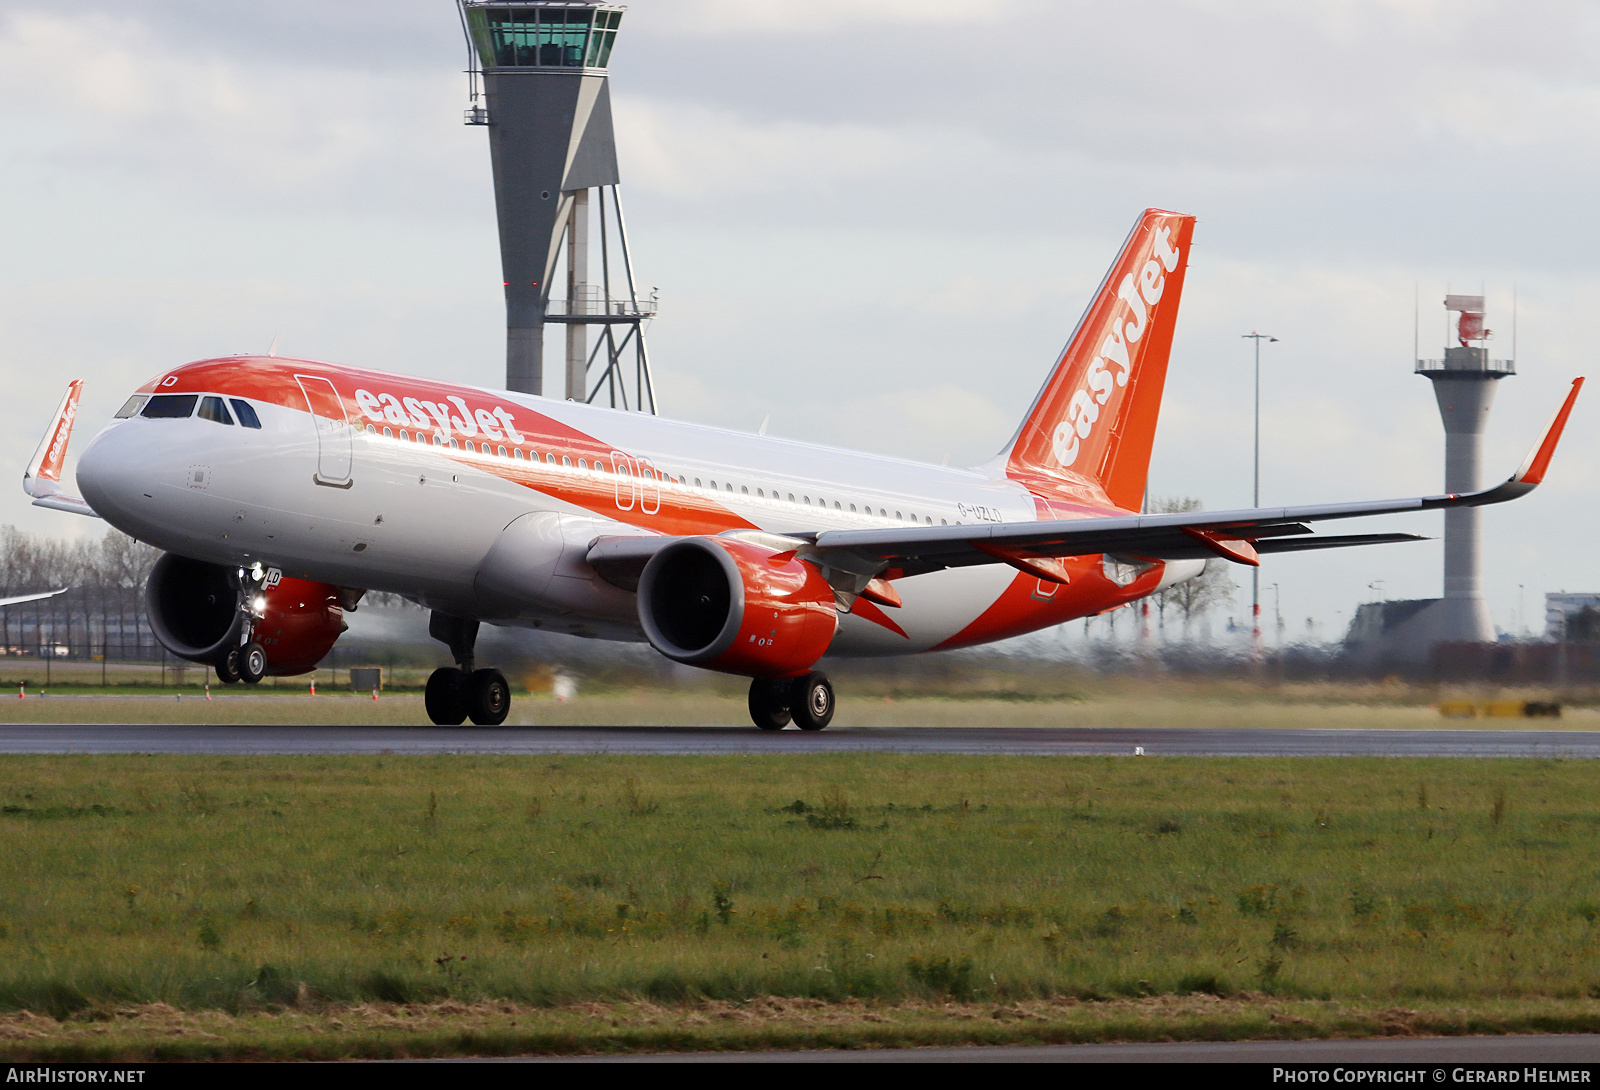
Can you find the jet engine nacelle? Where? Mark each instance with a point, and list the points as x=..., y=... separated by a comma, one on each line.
x=736, y=606
x=197, y=611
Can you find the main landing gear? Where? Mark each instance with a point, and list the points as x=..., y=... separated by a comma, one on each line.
x=460, y=692
x=808, y=700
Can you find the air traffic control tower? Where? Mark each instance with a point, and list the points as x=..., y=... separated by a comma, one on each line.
x=1464, y=384
x=546, y=101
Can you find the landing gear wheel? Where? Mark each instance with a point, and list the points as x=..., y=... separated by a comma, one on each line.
x=445, y=698
x=227, y=667
x=252, y=663
x=769, y=703
x=487, y=697
x=811, y=701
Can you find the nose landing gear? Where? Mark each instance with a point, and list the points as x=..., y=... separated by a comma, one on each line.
x=807, y=700
x=457, y=693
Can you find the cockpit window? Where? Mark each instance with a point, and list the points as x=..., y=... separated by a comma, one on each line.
x=212, y=408
x=165, y=406
x=131, y=407
x=246, y=413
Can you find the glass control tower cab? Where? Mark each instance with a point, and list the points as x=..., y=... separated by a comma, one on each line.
x=546, y=102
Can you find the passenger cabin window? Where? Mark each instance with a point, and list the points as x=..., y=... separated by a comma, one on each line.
x=387, y=434
x=131, y=406
x=170, y=406
x=501, y=451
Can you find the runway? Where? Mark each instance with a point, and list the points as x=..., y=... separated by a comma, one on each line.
x=1036, y=741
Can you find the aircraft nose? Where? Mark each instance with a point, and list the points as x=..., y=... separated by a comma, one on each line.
x=112, y=475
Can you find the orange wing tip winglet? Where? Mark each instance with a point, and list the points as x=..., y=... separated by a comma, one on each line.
x=42, y=478
x=1532, y=471
x=1047, y=568
x=1236, y=549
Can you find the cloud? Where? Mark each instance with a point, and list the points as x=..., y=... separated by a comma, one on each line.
x=813, y=18
x=697, y=153
x=231, y=128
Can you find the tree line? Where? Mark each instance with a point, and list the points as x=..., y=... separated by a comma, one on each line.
x=102, y=612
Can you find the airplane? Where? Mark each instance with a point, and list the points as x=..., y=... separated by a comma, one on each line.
x=282, y=490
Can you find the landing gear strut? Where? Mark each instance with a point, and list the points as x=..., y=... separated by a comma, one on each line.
x=461, y=692
x=807, y=699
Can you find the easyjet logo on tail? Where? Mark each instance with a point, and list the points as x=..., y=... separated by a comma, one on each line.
x=1109, y=370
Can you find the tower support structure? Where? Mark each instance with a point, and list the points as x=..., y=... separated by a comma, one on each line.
x=539, y=82
x=1464, y=383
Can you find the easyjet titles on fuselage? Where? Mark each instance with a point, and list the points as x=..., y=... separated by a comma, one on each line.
x=411, y=412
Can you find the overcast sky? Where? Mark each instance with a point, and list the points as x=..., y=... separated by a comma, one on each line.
x=874, y=221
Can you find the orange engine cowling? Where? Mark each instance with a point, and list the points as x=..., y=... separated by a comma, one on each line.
x=297, y=622
x=736, y=606
x=196, y=610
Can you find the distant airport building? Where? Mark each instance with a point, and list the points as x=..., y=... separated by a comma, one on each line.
x=538, y=80
x=1464, y=383
x=1565, y=614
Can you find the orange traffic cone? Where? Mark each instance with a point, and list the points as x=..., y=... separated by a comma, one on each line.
x=374, y=693
x=208, y=690
x=313, y=688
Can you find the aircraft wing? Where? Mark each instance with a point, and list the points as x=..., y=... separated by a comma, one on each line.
x=31, y=597
x=1036, y=547
x=1239, y=536
x=42, y=478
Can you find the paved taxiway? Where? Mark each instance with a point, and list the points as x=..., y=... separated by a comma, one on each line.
x=1030, y=741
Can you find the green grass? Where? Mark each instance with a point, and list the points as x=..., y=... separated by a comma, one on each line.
x=235, y=884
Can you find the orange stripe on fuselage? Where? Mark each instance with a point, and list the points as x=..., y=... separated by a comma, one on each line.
x=272, y=380
x=1029, y=603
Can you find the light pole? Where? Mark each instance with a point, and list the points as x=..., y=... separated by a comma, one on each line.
x=1255, y=572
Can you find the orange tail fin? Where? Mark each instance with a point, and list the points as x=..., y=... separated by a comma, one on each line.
x=1094, y=422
